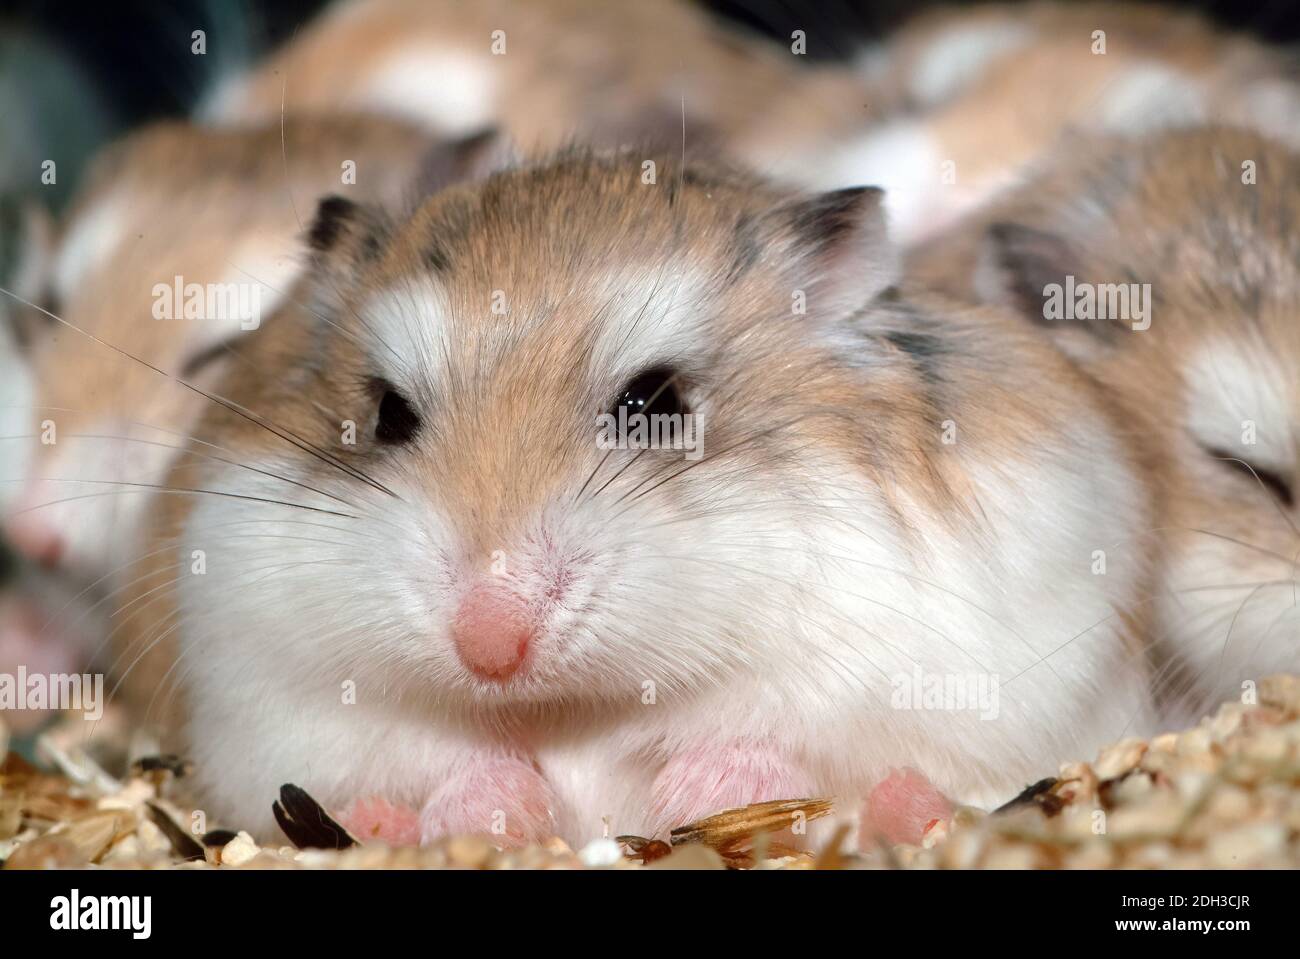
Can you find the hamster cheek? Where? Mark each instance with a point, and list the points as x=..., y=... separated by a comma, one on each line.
x=376, y=819
x=709, y=779
x=900, y=807
x=503, y=798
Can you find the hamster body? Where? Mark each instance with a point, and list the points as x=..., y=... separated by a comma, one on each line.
x=954, y=107
x=475, y=613
x=1197, y=229
x=979, y=95
x=548, y=73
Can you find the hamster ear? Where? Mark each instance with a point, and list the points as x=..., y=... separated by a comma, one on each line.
x=345, y=235
x=344, y=238
x=1024, y=267
x=842, y=242
x=476, y=157
x=1018, y=263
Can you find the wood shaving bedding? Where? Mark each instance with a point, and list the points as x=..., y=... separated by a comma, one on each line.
x=1224, y=794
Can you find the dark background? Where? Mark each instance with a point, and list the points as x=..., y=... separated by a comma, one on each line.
x=137, y=51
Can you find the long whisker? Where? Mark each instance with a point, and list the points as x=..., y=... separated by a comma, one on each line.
x=287, y=435
x=187, y=451
x=141, y=487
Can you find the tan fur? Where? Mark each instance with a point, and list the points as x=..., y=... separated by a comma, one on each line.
x=1223, y=260
x=607, y=73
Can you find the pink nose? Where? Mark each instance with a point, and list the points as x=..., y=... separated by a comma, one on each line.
x=29, y=534
x=492, y=630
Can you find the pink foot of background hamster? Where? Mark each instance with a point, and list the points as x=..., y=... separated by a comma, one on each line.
x=503, y=798
x=26, y=640
x=900, y=807
x=379, y=820
x=709, y=779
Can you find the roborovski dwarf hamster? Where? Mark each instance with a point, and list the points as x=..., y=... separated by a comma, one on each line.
x=1186, y=243
x=433, y=589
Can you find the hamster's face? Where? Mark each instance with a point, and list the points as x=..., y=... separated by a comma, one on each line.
x=1209, y=221
x=491, y=530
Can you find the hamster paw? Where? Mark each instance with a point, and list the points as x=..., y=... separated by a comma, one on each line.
x=375, y=818
x=503, y=798
x=900, y=807
x=707, y=780
x=26, y=641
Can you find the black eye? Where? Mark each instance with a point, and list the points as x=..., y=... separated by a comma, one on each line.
x=652, y=392
x=1275, y=483
x=397, y=422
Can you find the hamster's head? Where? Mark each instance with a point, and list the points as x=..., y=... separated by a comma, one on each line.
x=1170, y=269
x=562, y=435
x=157, y=288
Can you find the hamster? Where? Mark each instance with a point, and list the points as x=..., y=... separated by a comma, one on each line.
x=944, y=114
x=548, y=72
x=1202, y=223
x=980, y=95
x=429, y=586
x=171, y=210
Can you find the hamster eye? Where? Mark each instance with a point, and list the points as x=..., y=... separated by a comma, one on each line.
x=206, y=357
x=397, y=421
x=652, y=392
x=1275, y=483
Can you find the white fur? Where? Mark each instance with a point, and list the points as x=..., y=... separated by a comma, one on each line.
x=1149, y=95
x=70, y=486
x=15, y=414
x=1231, y=382
x=904, y=159
x=957, y=55
x=449, y=90
x=93, y=238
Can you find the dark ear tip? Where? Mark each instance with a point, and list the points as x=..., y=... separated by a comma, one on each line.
x=850, y=195
x=332, y=213
x=479, y=139
x=1004, y=230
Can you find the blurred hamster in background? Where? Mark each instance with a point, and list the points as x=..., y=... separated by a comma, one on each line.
x=952, y=108
x=1192, y=235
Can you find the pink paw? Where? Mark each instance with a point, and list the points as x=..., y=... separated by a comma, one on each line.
x=25, y=641
x=375, y=818
x=900, y=807
x=503, y=798
x=707, y=780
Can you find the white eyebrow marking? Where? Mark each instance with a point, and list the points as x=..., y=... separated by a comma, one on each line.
x=93, y=238
x=1234, y=395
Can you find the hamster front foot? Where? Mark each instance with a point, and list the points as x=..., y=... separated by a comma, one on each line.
x=900, y=807
x=502, y=797
x=709, y=779
x=376, y=819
